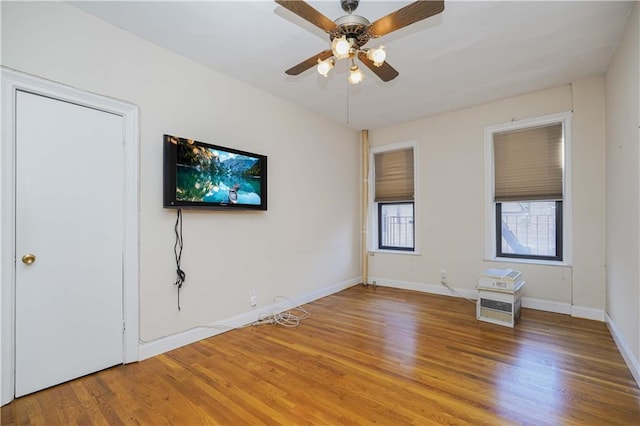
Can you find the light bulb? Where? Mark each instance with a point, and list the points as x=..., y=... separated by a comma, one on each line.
x=325, y=66
x=377, y=55
x=355, y=75
x=341, y=47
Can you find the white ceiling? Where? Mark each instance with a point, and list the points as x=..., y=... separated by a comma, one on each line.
x=472, y=53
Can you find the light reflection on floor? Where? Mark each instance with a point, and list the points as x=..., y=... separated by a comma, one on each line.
x=532, y=373
x=400, y=334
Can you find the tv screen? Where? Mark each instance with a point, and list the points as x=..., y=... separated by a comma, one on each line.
x=202, y=175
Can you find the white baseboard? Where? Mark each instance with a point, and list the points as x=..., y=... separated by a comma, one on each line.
x=174, y=341
x=546, y=305
x=527, y=302
x=632, y=362
x=563, y=308
x=588, y=313
x=426, y=288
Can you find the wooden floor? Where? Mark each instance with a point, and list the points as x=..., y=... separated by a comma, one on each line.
x=365, y=355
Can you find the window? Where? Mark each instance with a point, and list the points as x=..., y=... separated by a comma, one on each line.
x=395, y=226
x=529, y=229
x=528, y=189
x=394, y=199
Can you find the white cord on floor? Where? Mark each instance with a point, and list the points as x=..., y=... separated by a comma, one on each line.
x=290, y=319
x=454, y=291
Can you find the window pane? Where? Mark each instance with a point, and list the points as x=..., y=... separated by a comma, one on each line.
x=396, y=226
x=529, y=228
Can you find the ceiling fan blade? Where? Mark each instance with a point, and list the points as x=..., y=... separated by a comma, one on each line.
x=308, y=63
x=385, y=71
x=410, y=14
x=307, y=12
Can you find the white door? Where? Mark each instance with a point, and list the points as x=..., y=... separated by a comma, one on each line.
x=69, y=217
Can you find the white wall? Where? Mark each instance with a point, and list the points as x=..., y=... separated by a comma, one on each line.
x=308, y=240
x=623, y=193
x=588, y=146
x=451, y=217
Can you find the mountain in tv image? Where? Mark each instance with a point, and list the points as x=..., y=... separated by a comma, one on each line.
x=210, y=175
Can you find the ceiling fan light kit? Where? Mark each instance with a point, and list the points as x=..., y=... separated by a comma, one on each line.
x=348, y=34
x=355, y=75
x=377, y=55
x=341, y=47
x=325, y=66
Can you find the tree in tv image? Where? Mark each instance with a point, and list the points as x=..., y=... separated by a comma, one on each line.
x=211, y=175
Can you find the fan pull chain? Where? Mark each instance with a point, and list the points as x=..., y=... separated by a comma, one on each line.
x=348, y=93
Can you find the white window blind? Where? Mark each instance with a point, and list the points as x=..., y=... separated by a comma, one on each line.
x=529, y=164
x=394, y=176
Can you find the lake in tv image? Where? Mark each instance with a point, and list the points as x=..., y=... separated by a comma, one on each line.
x=216, y=176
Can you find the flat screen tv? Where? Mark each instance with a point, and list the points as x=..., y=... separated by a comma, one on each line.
x=202, y=175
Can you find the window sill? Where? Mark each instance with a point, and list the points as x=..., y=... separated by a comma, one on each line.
x=411, y=253
x=527, y=261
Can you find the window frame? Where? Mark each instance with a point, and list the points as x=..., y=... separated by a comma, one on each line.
x=565, y=229
x=558, y=242
x=373, y=225
x=380, y=205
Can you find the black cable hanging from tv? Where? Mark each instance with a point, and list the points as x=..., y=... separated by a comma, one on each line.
x=177, y=250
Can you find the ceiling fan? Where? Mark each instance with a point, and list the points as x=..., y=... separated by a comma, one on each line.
x=348, y=34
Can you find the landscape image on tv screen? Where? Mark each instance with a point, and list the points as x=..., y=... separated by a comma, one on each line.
x=208, y=174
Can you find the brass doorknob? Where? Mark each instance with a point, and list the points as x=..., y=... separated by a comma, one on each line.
x=28, y=259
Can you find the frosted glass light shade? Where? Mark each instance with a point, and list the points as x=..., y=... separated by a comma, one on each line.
x=325, y=66
x=377, y=55
x=355, y=75
x=340, y=47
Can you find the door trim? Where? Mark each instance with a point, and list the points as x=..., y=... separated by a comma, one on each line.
x=13, y=81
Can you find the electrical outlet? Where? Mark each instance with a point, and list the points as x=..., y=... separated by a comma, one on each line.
x=252, y=298
x=443, y=274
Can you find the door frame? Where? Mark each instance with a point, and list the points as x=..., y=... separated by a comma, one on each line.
x=13, y=81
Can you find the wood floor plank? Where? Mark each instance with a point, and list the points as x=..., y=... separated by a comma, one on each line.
x=366, y=355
